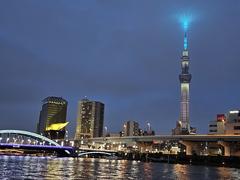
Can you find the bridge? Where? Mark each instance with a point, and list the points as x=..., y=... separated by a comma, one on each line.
x=24, y=142
x=82, y=154
x=226, y=145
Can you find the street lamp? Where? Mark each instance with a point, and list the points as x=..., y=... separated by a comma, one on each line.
x=105, y=130
x=149, y=127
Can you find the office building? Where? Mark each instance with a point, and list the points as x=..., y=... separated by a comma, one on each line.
x=130, y=128
x=90, y=119
x=52, y=119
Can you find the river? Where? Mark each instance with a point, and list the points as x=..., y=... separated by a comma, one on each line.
x=26, y=167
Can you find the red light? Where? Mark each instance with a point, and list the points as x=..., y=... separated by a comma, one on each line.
x=221, y=117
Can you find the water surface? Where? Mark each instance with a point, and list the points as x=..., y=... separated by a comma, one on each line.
x=25, y=167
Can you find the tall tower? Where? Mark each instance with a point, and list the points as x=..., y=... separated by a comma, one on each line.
x=90, y=119
x=185, y=79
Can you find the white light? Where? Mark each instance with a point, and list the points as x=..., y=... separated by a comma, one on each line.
x=233, y=112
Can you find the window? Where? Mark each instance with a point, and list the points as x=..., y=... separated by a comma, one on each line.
x=211, y=125
x=236, y=127
x=213, y=130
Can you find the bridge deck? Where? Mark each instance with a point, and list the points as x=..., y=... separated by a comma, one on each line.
x=170, y=137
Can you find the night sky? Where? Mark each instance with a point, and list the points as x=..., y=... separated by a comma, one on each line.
x=123, y=53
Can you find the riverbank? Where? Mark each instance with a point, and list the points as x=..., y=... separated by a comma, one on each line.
x=221, y=161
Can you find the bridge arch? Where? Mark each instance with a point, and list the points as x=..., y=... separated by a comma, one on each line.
x=30, y=134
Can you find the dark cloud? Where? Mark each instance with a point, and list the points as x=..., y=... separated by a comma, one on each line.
x=124, y=53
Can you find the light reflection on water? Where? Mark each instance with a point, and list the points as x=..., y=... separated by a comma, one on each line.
x=22, y=167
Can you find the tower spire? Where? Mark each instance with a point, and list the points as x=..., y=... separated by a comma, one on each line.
x=185, y=41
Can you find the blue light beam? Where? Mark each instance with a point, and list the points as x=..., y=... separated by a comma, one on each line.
x=185, y=20
x=185, y=45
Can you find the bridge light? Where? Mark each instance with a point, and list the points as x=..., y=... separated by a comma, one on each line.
x=66, y=135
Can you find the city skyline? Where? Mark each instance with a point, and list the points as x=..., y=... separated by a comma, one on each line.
x=123, y=55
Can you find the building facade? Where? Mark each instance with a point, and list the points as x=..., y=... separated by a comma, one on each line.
x=52, y=119
x=217, y=126
x=90, y=119
x=130, y=128
x=233, y=122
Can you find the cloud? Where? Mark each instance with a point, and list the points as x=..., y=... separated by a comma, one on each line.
x=126, y=54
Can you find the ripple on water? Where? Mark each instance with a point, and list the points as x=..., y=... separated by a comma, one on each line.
x=25, y=167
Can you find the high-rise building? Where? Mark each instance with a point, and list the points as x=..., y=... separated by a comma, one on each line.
x=183, y=125
x=130, y=128
x=52, y=119
x=90, y=119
